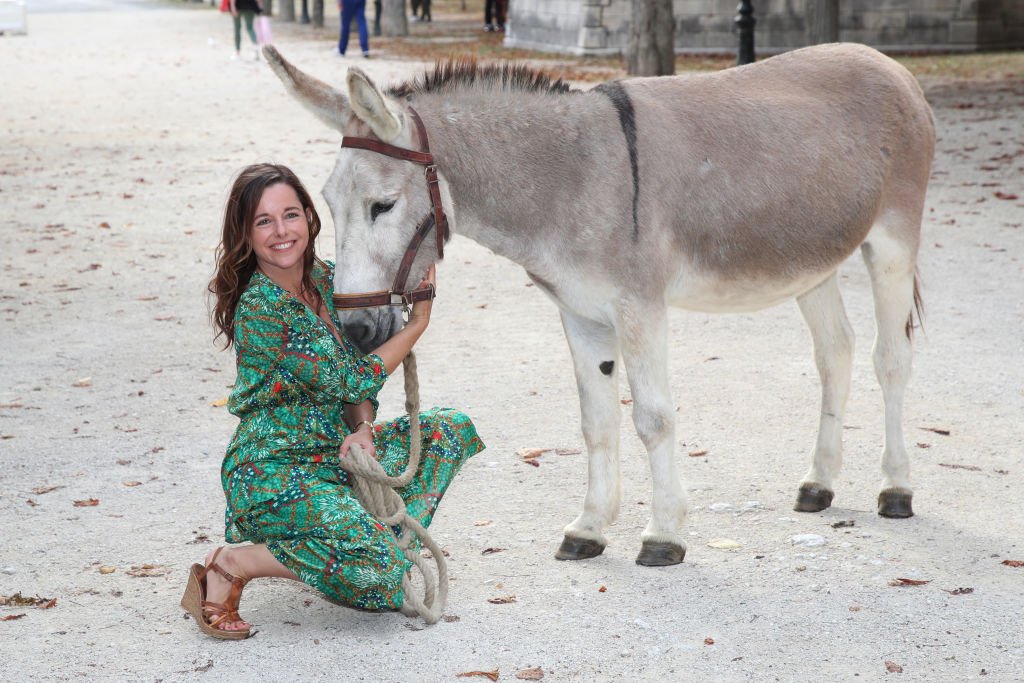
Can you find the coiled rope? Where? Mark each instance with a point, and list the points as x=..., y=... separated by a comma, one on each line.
x=376, y=491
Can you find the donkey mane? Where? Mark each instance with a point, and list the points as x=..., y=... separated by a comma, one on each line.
x=453, y=73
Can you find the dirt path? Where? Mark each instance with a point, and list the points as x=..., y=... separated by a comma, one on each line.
x=121, y=132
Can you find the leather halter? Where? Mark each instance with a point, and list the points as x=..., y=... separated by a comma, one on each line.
x=397, y=295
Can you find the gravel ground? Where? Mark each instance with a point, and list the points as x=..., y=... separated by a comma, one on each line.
x=121, y=131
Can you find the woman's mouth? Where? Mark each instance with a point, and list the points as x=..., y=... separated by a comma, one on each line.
x=281, y=246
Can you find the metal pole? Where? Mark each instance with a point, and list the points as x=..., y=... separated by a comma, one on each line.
x=305, y=12
x=745, y=24
x=376, y=17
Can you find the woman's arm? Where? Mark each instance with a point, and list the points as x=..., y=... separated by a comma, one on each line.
x=395, y=349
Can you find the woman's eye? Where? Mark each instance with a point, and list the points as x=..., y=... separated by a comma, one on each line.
x=377, y=208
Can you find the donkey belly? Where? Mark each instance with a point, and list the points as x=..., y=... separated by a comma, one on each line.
x=709, y=294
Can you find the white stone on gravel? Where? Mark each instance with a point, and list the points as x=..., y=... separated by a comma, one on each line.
x=808, y=540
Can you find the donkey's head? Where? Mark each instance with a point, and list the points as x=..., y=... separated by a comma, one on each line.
x=376, y=201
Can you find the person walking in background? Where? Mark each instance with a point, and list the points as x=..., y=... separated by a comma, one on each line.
x=353, y=9
x=245, y=10
x=494, y=15
x=425, y=10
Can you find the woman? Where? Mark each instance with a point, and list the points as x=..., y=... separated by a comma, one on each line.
x=305, y=395
x=247, y=10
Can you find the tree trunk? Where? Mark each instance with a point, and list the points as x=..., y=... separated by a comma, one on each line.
x=823, y=22
x=287, y=12
x=650, y=50
x=318, y=13
x=393, y=18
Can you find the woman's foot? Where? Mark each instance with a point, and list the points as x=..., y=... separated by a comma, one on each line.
x=218, y=588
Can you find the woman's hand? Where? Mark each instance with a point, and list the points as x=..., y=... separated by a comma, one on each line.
x=362, y=437
x=420, y=315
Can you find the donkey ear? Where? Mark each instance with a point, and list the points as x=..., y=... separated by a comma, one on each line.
x=326, y=103
x=370, y=105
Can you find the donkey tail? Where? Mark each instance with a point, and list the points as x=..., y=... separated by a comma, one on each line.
x=915, y=319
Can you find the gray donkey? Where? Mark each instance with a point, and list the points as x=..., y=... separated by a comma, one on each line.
x=720, y=192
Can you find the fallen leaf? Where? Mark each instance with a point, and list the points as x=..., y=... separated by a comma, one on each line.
x=491, y=551
x=219, y=402
x=105, y=224
x=203, y=538
x=698, y=454
x=724, y=544
x=921, y=444
x=18, y=600
x=493, y=675
x=107, y=570
x=709, y=641
x=960, y=591
x=893, y=667
x=938, y=430
x=909, y=582
x=132, y=483
x=534, y=674
x=843, y=524
x=568, y=451
x=83, y=382
x=504, y=600
x=148, y=570
x=87, y=503
x=530, y=453
x=482, y=522
x=626, y=401
x=855, y=608
x=1013, y=563
x=1005, y=195
x=40, y=490
x=602, y=589
x=972, y=468
x=532, y=462
x=31, y=502
x=12, y=617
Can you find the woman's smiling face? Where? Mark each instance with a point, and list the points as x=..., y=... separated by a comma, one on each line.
x=280, y=233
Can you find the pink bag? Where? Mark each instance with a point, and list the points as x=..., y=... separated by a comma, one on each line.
x=263, y=33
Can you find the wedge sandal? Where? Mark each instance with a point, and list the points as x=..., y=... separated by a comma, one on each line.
x=208, y=615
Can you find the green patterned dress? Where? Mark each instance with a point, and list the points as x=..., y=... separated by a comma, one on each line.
x=280, y=478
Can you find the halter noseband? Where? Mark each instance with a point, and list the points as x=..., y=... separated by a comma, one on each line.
x=397, y=296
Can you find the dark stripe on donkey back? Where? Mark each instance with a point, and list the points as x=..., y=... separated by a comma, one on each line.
x=627, y=119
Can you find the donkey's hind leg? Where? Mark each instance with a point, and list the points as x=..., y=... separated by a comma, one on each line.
x=891, y=265
x=595, y=351
x=822, y=308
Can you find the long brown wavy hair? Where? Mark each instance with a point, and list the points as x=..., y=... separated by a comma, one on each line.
x=236, y=259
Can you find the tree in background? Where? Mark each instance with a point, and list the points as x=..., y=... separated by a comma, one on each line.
x=318, y=13
x=823, y=22
x=394, y=20
x=650, y=50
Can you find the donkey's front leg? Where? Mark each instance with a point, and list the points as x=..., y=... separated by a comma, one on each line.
x=644, y=337
x=595, y=350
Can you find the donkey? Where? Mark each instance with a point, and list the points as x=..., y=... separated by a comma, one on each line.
x=720, y=192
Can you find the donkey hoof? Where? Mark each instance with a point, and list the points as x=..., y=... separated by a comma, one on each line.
x=895, y=504
x=812, y=499
x=578, y=549
x=660, y=554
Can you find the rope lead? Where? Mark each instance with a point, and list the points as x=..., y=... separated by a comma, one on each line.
x=376, y=491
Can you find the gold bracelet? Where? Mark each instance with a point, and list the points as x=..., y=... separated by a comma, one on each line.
x=364, y=422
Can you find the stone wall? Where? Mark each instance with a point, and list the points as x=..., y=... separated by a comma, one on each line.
x=597, y=27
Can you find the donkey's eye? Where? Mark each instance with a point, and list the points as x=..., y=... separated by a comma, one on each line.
x=377, y=208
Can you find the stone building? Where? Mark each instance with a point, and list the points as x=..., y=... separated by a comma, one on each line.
x=600, y=27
